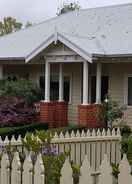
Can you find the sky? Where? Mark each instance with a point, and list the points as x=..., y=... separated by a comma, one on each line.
x=38, y=10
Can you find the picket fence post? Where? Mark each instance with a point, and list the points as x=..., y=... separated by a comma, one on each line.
x=16, y=169
x=125, y=169
x=27, y=176
x=39, y=177
x=85, y=172
x=5, y=169
x=105, y=172
x=66, y=173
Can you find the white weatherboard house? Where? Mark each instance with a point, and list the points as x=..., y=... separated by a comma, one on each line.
x=77, y=57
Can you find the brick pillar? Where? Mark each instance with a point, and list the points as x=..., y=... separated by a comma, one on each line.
x=90, y=116
x=61, y=114
x=47, y=113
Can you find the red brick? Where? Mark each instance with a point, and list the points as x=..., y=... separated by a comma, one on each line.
x=87, y=116
x=54, y=113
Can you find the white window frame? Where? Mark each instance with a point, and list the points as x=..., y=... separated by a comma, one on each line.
x=65, y=75
x=126, y=89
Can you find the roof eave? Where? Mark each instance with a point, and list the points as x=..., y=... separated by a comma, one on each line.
x=59, y=37
x=12, y=58
x=41, y=47
x=112, y=55
x=75, y=48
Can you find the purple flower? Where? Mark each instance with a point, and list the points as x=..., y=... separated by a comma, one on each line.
x=51, y=150
x=2, y=148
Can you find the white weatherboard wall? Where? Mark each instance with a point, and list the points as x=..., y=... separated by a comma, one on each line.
x=118, y=86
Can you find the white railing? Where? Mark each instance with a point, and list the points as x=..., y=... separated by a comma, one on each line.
x=93, y=143
x=28, y=173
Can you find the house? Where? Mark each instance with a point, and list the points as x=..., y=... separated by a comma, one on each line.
x=76, y=59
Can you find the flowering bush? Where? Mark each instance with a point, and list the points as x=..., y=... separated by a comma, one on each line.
x=14, y=111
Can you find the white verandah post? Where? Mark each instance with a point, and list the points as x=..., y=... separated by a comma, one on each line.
x=61, y=81
x=85, y=82
x=98, y=83
x=47, y=81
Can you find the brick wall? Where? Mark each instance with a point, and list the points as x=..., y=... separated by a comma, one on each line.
x=90, y=116
x=54, y=113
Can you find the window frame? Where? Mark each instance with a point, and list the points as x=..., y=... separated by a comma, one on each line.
x=64, y=75
x=126, y=90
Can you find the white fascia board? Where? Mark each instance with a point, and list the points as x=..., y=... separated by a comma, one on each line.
x=65, y=41
x=41, y=47
x=75, y=48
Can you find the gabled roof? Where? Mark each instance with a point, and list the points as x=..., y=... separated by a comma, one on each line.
x=98, y=31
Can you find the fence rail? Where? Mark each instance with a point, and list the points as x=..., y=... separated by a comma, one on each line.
x=93, y=143
x=27, y=173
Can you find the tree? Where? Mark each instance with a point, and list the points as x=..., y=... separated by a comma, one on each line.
x=9, y=25
x=28, y=24
x=69, y=7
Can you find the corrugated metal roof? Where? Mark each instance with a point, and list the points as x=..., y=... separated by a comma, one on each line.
x=101, y=31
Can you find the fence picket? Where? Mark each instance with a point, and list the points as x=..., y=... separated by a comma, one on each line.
x=106, y=172
x=27, y=171
x=5, y=169
x=86, y=172
x=66, y=173
x=125, y=169
x=39, y=171
x=16, y=169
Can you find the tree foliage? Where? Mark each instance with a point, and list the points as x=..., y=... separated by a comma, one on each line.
x=22, y=88
x=9, y=25
x=28, y=24
x=69, y=7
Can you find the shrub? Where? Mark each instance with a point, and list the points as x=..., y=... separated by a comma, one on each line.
x=22, y=130
x=112, y=111
x=22, y=88
x=52, y=159
x=125, y=131
x=14, y=111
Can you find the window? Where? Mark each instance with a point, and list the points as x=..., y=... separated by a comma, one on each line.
x=129, y=91
x=104, y=88
x=54, y=87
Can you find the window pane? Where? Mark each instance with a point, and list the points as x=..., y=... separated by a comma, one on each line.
x=54, y=90
x=129, y=90
x=42, y=82
x=67, y=89
x=54, y=87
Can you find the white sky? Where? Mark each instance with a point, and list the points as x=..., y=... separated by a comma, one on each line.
x=38, y=10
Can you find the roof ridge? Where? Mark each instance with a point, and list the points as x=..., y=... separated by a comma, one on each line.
x=60, y=16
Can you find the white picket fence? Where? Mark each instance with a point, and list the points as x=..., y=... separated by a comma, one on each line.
x=93, y=143
x=16, y=173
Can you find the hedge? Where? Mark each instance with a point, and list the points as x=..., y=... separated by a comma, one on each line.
x=21, y=130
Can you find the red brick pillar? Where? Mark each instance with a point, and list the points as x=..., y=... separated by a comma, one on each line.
x=61, y=114
x=91, y=116
x=47, y=113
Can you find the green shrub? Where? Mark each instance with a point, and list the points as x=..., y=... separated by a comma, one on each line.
x=52, y=159
x=22, y=130
x=126, y=147
x=125, y=131
x=111, y=111
x=115, y=170
x=21, y=88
